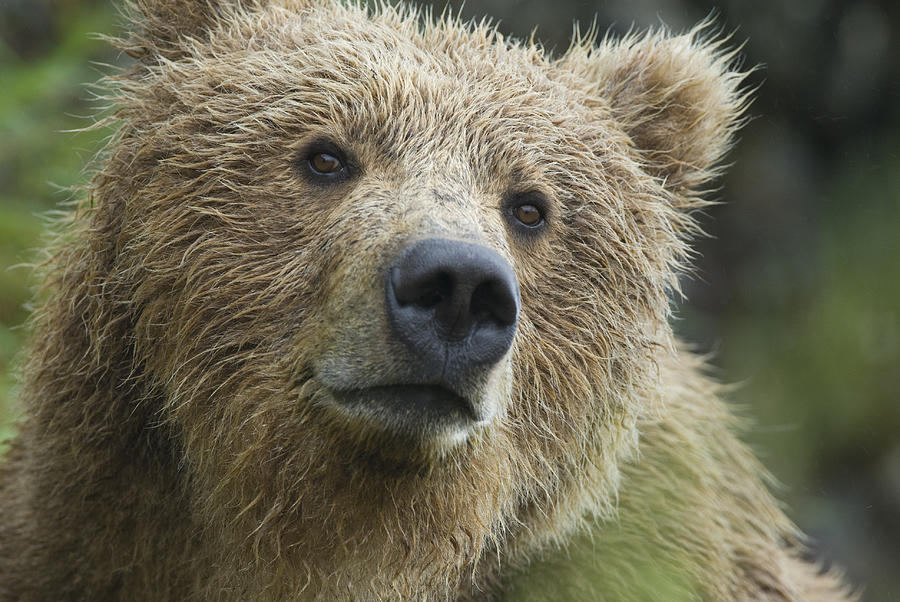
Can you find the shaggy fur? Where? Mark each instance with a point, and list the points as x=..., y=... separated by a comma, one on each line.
x=180, y=442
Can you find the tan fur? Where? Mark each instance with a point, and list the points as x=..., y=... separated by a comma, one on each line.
x=180, y=443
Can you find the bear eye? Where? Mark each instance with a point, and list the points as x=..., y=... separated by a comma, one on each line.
x=325, y=164
x=529, y=215
x=526, y=211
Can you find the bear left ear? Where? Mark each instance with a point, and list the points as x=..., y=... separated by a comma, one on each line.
x=676, y=97
x=161, y=27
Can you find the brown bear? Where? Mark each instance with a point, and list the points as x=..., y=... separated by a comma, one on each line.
x=363, y=304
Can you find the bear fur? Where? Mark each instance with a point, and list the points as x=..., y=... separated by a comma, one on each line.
x=181, y=438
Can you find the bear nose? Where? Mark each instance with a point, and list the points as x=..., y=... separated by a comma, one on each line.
x=455, y=304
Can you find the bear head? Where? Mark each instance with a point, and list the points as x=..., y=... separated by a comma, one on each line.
x=396, y=283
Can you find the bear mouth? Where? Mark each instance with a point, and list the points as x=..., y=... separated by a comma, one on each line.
x=413, y=410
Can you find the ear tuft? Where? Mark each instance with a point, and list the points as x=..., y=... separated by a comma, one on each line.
x=161, y=27
x=677, y=97
x=157, y=27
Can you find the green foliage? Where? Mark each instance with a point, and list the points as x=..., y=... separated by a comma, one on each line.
x=637, y=579
x=826, y=366
x=822, y=376
x=41, y=102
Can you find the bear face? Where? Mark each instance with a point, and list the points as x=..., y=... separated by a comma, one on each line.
x=285, y=163
x=370, y=305
x=441, y=134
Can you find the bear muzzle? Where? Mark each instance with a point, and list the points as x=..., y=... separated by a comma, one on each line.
x=452, y=310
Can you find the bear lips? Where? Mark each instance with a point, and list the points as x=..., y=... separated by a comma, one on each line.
x=418, y=411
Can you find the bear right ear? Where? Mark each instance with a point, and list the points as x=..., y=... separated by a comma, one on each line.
x=162, y=27
x=678, y=98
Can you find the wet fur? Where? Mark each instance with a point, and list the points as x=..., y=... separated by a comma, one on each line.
x=179, y=442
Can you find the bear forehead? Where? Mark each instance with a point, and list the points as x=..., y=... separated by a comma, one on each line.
x=385, y=66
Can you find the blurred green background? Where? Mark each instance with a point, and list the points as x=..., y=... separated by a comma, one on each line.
x=796, y=292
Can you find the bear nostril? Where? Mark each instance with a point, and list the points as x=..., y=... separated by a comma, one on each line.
x=430, y=299
x=490, y=301
x=429, y=293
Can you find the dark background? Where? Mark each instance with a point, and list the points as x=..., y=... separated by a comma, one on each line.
x=796, y=291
